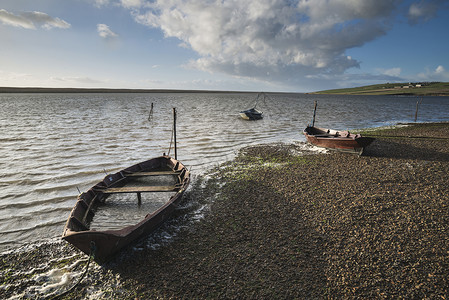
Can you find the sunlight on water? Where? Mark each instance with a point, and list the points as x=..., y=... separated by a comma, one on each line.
x=55, y=144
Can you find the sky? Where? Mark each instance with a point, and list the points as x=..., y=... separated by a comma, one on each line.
x=226, y=45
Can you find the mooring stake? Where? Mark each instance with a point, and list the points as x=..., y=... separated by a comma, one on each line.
x=139, y=199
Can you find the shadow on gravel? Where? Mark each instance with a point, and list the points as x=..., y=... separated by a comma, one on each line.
x=253, y=243
x=409, y=149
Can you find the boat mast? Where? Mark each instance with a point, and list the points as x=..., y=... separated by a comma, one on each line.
x=259, y=95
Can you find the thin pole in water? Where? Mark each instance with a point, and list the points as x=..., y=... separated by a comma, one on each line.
x=417, y=105
x=314, y=112
x=174, y=132
x=150, y=116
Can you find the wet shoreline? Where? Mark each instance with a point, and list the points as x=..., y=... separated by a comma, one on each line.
x=279, y=225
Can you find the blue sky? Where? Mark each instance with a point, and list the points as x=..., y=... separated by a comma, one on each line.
x=254, y=45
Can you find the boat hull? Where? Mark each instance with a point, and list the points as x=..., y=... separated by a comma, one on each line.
x=251, y=114
x=103, y=245
x=337, y=140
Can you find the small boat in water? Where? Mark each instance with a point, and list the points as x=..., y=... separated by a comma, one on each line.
x=159, y=174
x=253, y=113
x=337, y=140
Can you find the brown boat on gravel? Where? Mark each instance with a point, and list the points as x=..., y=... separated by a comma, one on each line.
x=337, y=140
x=140, y=178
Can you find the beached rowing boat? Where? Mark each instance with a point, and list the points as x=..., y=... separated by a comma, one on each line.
x=144, y=177
x=156, y=175
x=337, y=140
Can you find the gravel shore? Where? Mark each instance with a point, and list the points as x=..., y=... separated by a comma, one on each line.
x=281, y=226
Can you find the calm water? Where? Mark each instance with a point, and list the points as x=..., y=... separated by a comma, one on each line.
x=53, y=144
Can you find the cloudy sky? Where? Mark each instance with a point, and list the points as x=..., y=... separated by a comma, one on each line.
x=243, y=45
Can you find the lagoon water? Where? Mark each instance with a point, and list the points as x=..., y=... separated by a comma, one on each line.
x=54, y=144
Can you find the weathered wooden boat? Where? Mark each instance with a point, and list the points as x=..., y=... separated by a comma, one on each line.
x=251, y=114
x=337, y=140
x=159, y=174
x=106, y=243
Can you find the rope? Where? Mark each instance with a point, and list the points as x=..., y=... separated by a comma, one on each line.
x=93, y=249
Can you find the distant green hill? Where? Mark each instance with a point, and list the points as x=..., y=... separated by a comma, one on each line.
x=419, y=89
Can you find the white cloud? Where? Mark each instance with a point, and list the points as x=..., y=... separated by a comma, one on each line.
x=29, y=20
x=423, y=10
x=131, y=3
x=390, y=72
x=8, y=18
x=13, y=77
x=438, y=74
x=104, y=31
x=440, y=70
x=125, y=3
x=271, y=39
x=100, y=3
x=45, y=20
x=77, y=80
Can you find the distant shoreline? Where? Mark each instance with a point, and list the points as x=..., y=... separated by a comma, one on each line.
x=103, y=90
x=438, y=89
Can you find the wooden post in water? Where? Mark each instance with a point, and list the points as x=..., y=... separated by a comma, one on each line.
x=139, y=199
x=174, y=132
x=150, y=115
x=314, y=112
x=416, y=112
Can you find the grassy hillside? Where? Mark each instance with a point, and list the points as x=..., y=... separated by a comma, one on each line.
x=427, y=88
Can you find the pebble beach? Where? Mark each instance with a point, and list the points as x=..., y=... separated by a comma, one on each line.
x=284, y=225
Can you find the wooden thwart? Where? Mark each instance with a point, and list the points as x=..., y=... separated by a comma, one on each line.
x=140, y=189
x=156, y=173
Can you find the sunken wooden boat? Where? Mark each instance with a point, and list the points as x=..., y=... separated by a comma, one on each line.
x=106, y=243
x=337, y=140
